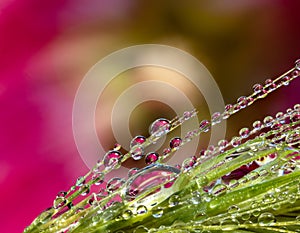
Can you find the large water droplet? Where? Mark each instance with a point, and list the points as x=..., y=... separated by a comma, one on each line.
x=159, y=127
x=149, y=177
x=80, y=181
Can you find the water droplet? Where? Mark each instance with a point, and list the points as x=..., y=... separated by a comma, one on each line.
x=84, y=189
x=111, y=158
x=204, y=126
x=244, y=132
x=268, y=120
x=141, y=209
x=242, y=101
x=117, y=146
x=141, y=229
x=266, y=219
x=218, y=189
x=127, y=214
x=229, y=224
x=132, y=171
x=98, y=178
x=297, y=64
x=285, y=80
x=233, y=209
x=160, y=127
x=188, y=164
x=187, y=115
x=174, y=200
x=114, y=184
x=137, y=140
x=175, y=142
x=257, y=125
x=257, y=88
x=236, y=141
x=149, y=177
x=196, y=198
x=80, y=181
x=59, y=202
x=61, y=194
x=216, y=118
x=151, y=157
x=157, y=213
x=137, y=152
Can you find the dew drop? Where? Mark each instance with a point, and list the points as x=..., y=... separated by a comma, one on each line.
x=141, y=209
x=132, y=171
x=174, y=200
x=117, y=146
x=285, y=80
x=151, y=157
x=244, y=132
x=175, y=142
x=157, y=213
x=137, y=140
x=218, y=189
x=160, y=127
x=141, y=229
x=127, y=214
x=266, y=219
x=61, y=194
x=257, y=88
x=216, y=118
x=111, y=158
x=59, y=202
x=149, y=177
x=204, y=126
x=98, y=178
x=114, y=184
x=242, y=101
x=236, y=141
x=137, y=152
x=80, y=181
x=268, y=120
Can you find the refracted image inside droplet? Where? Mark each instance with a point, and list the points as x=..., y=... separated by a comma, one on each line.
x=160, y=127
x=149, y=177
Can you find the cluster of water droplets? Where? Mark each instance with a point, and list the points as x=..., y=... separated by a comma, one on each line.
x=269, y=149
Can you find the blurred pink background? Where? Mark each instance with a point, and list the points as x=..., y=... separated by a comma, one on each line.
x=46, y=48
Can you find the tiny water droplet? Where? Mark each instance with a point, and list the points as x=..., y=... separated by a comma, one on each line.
x=151, y=157
x=137, y=152
x=80, y=181
x=141, y=209
x=159, y=127
x=137, y=140
x=98, y=178
x=266, y=219
x=204, y=126
x=244, y=132
x=132, y=171
x=114, y=184
x=268, y=120
x=127, y=214
x=141, y=229
x=175, y=142
x=257, y=88
x=111, y=158
x=216, y=118
x=242, y=101
x=117, y=146
x=236, y=141
x=59, y=202
x=157, y=213
x=174, y=200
